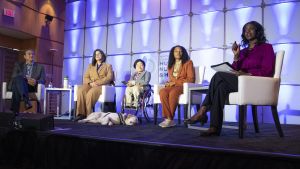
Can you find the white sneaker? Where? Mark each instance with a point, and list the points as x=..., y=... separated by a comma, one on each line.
x=163, y=123
x=167, y=123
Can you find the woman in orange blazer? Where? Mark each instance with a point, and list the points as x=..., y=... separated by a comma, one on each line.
x=180, y=70
x=97, y=74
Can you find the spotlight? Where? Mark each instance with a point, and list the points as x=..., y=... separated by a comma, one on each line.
x=48, y=19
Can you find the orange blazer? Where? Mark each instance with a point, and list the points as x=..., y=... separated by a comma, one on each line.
x=186, y=74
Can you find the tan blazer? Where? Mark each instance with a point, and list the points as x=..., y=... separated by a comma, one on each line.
x=102, y=77
x=186, y=74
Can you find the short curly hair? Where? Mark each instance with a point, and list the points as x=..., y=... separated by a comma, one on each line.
x=138, y=60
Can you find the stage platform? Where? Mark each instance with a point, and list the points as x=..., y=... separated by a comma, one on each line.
x=88, y=146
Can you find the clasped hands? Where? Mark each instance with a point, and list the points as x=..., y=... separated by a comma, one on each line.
x=170, y=84
x=133, y=83
x=93, y=84
x=31, y=81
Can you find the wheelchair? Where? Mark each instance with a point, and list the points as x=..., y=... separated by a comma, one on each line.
x=144, y=102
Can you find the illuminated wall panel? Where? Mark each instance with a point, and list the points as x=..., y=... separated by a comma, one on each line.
x=86, y=62
x=206, y=58
x=145, y=36
x=75, y=15
x=174, y=7
x=235, y=20
x=276, y=1
x=290, y=68
x=73, y=44
x=146, y=9
x=95, y=38
x=288, y=105
x=119, y=38
x=207, y=30
x=151, y=61
x=73, y=69
x=281, y=24
x=206, y=5
x=121, y=65
x=231, y=4
x=96, y=12
x=175, y=31
x=120, y=11
x=228, y=55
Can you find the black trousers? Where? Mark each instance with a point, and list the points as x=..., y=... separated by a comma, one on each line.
x=219, y=88
x=20, y=89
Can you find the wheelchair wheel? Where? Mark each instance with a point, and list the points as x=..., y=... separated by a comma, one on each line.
x=123, y=104
x=145, y=102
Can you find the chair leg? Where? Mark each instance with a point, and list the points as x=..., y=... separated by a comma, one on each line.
x=75, y=109
x=179, y=113
x=38, y=106
x=255, y=120
x=185, y=109
x=155, y=107
x=197, y=106
x=241, y=120
x=276, y=120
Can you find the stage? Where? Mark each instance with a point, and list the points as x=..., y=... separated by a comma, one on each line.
x=73, y=145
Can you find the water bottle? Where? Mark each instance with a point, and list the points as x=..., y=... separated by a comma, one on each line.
x=50, y=85
x=66, y=82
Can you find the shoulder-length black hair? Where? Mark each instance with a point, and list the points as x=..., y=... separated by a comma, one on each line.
x=259, y=33
x=94, y=56
x=184, y=57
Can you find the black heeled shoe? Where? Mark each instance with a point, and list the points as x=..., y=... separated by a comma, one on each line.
x=210, y=132
x=202, y=120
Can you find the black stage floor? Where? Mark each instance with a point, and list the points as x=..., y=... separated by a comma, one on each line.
x=74, y=145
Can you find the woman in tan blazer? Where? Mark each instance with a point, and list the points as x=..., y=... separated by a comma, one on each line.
x=180, y=70
x=97, y=74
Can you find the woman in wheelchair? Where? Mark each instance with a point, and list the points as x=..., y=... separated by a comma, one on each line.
x=138, y=83
x=180, y=70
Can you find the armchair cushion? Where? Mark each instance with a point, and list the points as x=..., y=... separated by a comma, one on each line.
x=156, y=89
x=184, y=98
x=108, y=93
x=35, y=96
x=256, y=90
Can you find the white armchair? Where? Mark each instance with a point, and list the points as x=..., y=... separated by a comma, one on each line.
x=107, y=96
x=258, y=91
x=7, y=95
x=183, y=98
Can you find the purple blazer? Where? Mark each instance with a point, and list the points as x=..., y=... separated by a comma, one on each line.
x=260, y=61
